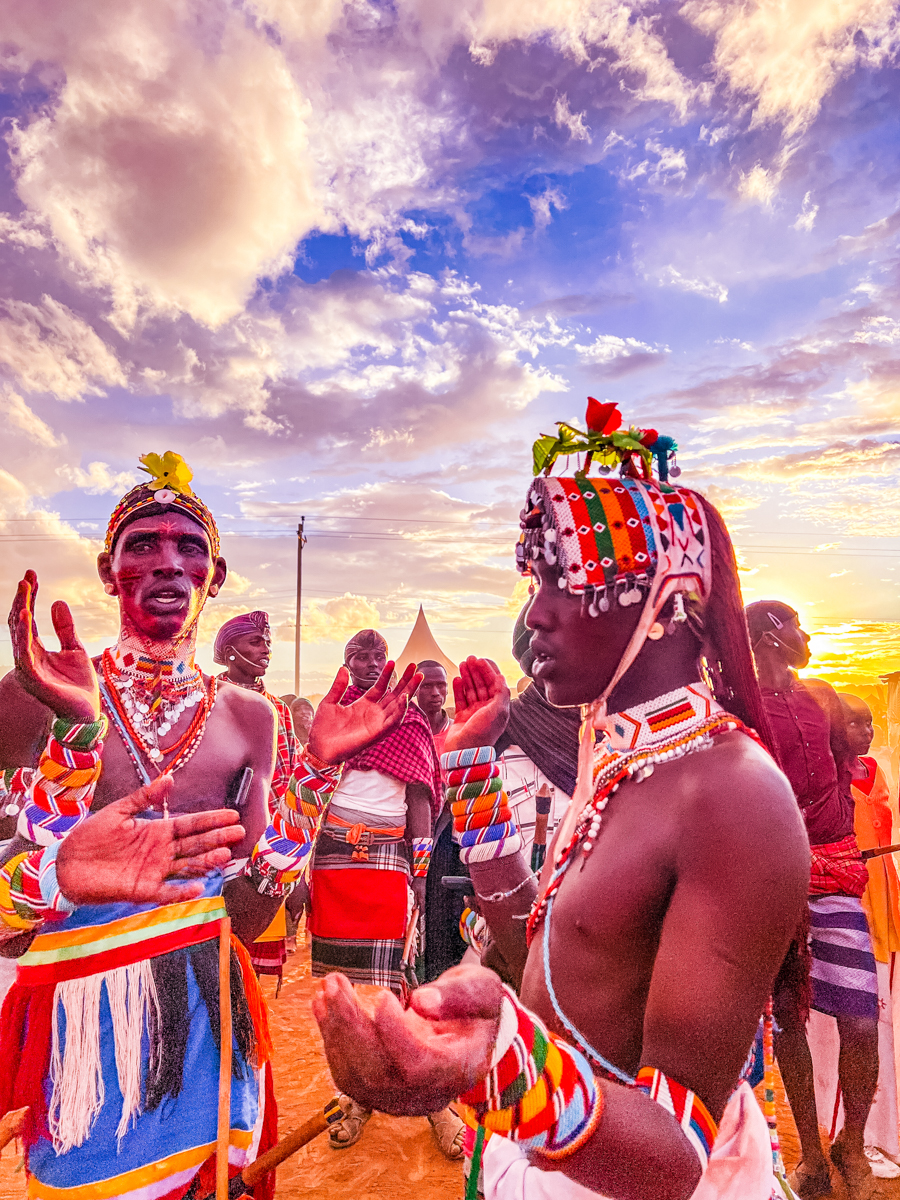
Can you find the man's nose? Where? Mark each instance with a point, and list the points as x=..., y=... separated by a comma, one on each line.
x=169, y=563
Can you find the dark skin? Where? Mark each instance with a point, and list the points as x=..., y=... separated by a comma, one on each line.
x=248, y=658
x=778, y=654
x=364, y=666
x=303, y=713
x=161, y=570
x=432, y=696
x=665, y=940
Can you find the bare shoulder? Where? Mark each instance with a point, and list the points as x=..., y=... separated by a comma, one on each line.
x=739, y=799
x=246, y=707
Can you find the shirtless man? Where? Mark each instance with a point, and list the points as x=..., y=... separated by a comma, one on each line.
x=152, y=970
x=670, y=909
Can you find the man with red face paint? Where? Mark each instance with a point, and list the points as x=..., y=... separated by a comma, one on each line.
x=130, y=853
x=644, y=955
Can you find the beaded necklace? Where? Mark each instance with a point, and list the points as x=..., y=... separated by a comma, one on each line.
x=180, y=752
x=636, y=740
x=156, y=682
x=248, y=687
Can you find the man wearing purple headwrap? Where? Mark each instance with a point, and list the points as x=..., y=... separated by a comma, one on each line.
x=243, y=646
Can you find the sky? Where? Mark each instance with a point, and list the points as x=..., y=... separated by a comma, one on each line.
x=351, y=258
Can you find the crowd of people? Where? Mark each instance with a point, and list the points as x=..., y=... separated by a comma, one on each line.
x=598, y=912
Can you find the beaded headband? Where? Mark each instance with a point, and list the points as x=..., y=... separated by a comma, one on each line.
x=169, y=485
x=615, y=539
x=628, y=540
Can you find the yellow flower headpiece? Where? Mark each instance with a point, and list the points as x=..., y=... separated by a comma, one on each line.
x=169, y=484
x=168, y=470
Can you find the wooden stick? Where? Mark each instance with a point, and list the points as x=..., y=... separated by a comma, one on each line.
x=223, y=1136
x=254, y=1172
x=881, y=850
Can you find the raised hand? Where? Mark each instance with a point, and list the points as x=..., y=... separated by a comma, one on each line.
x=482, y=705
x=64, y=679
x=416, y=1061
x=111, y=856
x=340, y=731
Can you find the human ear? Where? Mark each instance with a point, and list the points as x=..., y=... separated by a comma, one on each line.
x=104, y=570
x=220, y=574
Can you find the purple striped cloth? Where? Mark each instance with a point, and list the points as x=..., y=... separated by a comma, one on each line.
x=843, y=975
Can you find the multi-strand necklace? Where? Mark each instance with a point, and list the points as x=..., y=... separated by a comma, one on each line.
x=248, y=687
x=636, y=740
x=147, y=689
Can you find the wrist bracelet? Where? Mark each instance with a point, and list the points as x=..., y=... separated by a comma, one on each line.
x=265, y=884
x=49, y=884
x=80, y=735
x=496, y=897
x=318, y=764
x=421, y=853
x=473, y=756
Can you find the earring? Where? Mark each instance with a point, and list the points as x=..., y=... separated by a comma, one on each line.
x=108, y=588
x=231, y=658
x=214, y=590
x=655, y=631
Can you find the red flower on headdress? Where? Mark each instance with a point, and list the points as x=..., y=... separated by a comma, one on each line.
x=649, y=436
x=602, y=418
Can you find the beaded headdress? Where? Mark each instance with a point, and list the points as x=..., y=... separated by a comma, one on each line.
x=616, y=540
x=239, y=626
x=169, y=485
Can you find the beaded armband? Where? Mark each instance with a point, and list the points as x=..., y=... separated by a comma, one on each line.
x=539, y=1091
x=483, y=823
x=473, y=929
x=421, y=855
x=687, y=1108
x=61, y=789
x=278, y=858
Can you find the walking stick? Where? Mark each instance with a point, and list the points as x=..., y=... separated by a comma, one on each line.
x=223, y=1137
x=408, y=981
x=542, y=802
x=881, y=850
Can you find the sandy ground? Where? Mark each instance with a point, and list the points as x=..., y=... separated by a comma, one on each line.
x=396, y=1158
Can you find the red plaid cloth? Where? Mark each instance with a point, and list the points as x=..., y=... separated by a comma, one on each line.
x=838, y=869
x=406, y=752
x=287, y=751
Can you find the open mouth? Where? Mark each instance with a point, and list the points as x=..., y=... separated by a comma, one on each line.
x=170, y=597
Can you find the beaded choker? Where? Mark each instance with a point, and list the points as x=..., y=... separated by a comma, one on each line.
x=634, y=742
x=224, y=677
x=154, y=684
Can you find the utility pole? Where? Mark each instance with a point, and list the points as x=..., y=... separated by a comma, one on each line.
x=301, y=542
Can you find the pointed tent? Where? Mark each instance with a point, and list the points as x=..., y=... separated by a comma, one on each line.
x=421, y=645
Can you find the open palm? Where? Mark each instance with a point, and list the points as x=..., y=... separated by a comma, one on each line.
x=115, y=855
x=414, y=1061
x=340, y=731
x=64, y=679
x=482, y=706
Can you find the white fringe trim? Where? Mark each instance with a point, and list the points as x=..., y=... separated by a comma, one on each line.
x=76, y=1074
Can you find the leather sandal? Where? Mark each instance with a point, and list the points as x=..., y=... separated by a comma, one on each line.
x=349, y=1129
x=809, y=1186
x=449, y=1132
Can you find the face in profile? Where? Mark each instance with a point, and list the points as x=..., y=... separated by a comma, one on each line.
x=575, y=654
x=161, y=569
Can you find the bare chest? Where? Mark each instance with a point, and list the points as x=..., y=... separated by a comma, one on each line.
x=207, y=780
x=592, y=962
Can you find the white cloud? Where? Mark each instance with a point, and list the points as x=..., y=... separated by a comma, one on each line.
x=574, y=122
x=702, y=287
x=48, y=348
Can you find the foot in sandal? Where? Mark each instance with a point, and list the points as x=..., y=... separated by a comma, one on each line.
x=348, y=1130
x=448, y=1132
x=856, y=1171
x=810, y=1184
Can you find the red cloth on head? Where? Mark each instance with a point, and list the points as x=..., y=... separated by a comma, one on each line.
x=406, y=751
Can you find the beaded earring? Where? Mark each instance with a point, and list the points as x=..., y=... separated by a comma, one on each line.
x=108, y=588
x=655, y=632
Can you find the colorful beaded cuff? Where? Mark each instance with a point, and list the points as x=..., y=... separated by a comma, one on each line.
x=51, y=893
x=483, y=824
x=77, y=736
x=421, y=855
x=687, y=1108
x=539, y=1092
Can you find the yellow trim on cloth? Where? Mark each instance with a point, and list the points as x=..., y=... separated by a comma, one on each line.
x=141, y=1177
